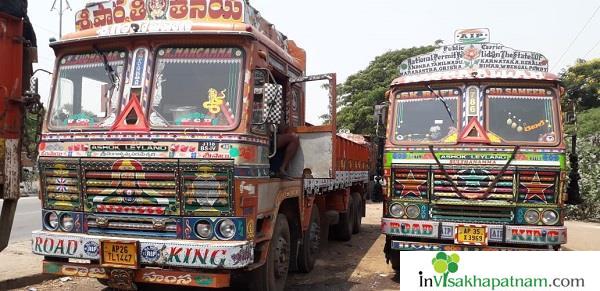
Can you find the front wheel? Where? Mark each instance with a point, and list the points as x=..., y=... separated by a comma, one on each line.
x=272, y=275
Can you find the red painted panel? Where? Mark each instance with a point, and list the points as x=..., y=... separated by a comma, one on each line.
x=11, y=62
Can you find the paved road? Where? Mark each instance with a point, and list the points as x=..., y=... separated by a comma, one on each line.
x=27, y=219
x=583, y=236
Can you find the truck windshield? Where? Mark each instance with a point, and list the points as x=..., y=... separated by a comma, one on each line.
x=197, y=87
x=84, y=95
x=523, y=118
x=425, y=120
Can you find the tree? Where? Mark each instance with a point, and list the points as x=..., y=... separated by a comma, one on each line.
x=365, y=89
x=582, y=82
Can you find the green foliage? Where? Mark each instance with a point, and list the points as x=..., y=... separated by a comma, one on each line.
x=582, y=82
x=363, y=90
x=588, y=122
x=588, y=149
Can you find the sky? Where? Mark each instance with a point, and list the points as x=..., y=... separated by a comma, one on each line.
x=344, y=36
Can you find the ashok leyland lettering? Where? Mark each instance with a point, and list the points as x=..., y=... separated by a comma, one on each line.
x=474, y=157
x=158, y=145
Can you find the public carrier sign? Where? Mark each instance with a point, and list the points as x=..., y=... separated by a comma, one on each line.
x=475, y=56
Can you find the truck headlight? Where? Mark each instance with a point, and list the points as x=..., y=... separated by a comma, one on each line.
x=204, y=229
x=227, y=228
x=51, y=220
x=413, y=211
x=532, y=216
x=66, y=222
x=397, y=210
x=549, y=217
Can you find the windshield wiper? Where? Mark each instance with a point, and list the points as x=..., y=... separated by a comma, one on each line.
x=443, y=102
x=112, y=75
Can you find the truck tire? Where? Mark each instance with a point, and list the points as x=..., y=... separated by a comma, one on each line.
x=343, y=230
x=310, y=243
x=395, y=260
x=272, y=275
x=358, y=202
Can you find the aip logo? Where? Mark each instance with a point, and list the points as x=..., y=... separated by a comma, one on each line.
x=444, y=264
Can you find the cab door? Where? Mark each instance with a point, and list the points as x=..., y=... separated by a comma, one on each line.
x=315, y=157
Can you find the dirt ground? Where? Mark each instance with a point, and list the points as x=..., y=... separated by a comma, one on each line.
x=358, y=264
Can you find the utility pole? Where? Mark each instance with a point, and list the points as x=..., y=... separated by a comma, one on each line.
x=60, y=13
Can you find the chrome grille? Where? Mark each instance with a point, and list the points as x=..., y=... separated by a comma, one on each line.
x=538, y=186
x=461, y=213
x=132, y=225
x=410, y=183
x=60, y=183
x=473, y=184
x=131, y=187
x=206, y=188
x=473, y=203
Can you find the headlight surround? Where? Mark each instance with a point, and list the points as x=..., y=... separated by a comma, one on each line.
x=226, y=228
x=549, y=217
x=51, y=220
x=204, y=229
x=532, y=216
x=66, y=222
x=413, y=211
x=397, y=210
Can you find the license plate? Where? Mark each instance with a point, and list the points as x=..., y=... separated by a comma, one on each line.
x=471, y=235
x=119, y=254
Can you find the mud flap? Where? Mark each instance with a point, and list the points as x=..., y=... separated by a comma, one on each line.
x=386, y=249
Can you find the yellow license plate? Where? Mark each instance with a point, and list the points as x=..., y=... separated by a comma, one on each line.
x=119, y=254
x=471, y=235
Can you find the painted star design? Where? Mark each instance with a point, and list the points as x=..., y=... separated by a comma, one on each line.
x=411, y=185
x=536, y=189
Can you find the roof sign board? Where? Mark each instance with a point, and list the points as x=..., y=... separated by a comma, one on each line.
x=472, y=35
x=473, y=57
x=111, y=12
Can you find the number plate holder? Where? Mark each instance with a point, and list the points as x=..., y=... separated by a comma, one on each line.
x=119, y=254
x=471, y=235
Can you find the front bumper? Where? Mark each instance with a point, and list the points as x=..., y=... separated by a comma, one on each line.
x=124, y=279
x=406, y=232
x=151, y=252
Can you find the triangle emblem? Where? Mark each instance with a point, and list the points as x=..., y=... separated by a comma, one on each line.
x=474, y=132
x=132, y=118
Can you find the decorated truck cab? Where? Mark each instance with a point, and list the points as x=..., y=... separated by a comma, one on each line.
x=158, y=146
x=474, y=156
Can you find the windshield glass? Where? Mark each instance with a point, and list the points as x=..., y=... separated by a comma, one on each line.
x=197, y=87
x=420, y=117
x=522, y=115
x=84, y=95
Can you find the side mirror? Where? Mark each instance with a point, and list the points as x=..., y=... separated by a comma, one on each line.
x=273, y=102
x=380, y=113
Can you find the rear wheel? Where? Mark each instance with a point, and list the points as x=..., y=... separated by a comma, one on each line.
x=272, y=275
x=310, y=243
x=343, y=230
x=358, y=202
